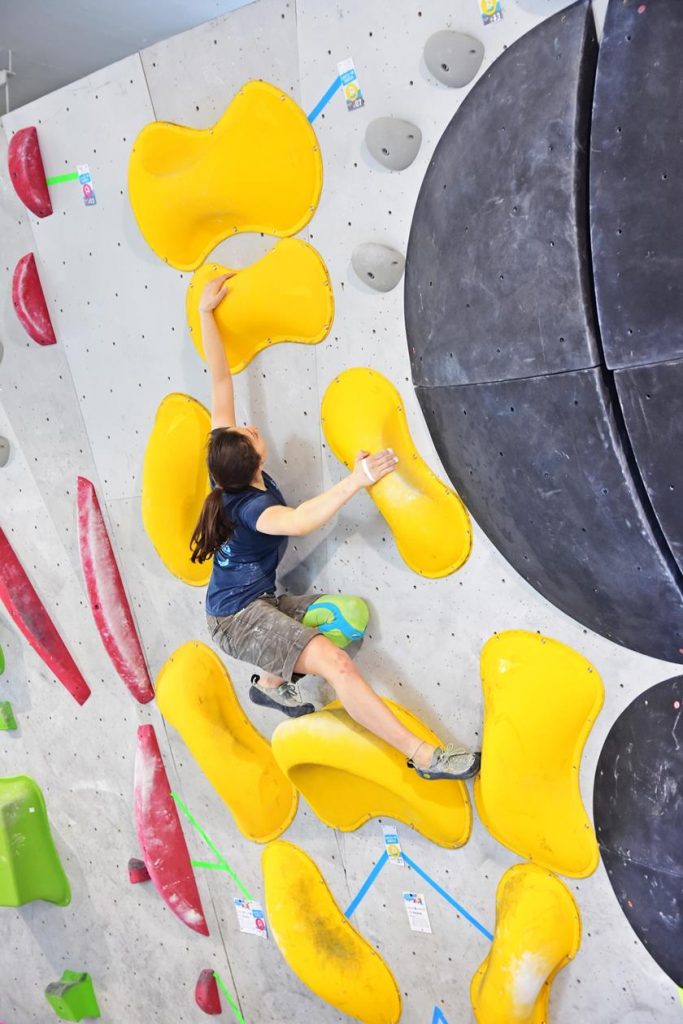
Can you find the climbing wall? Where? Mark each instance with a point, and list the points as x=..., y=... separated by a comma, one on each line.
x=86, y=406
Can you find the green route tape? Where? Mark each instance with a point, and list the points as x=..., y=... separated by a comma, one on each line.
x=221, y=863
x=59, y=178
x=233, y=1005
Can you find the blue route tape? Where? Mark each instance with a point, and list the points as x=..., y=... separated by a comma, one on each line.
x=369, y=881
x=324, y=100
x=448, y=899
x=438, y=1017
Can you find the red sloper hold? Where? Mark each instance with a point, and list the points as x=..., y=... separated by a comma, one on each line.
x=29, y=302
x=27, y=173
x=160, y=835
x=30, y=616
x=137, y=872
x=206, y=993
x=107, y=596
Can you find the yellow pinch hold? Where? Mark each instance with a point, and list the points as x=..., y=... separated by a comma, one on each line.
x=362, y=410
x=348, y=776
x=285, y=296
x=258, y=168
x=194, y=693
x=540, y=701
x=538, y=931
x=175, y=482
x=319, y=944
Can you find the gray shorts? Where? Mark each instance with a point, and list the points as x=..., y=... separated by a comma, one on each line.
x=267, y=633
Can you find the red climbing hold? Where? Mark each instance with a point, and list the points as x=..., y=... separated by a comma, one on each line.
x=29, y=302
x=27, y=173
x=137, y=872
x=107, y=596
x=30, y=616
x=160, y=834
x=206, y=993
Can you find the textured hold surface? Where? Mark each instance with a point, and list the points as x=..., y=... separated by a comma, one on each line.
x=195, y=694
x=637, y=152
x=29, y=302
x=541, y=699
x=321, y=947
x=453, y=57
x=362, y=410
x=348, y=776
x=650, y=398
x=639, y=819
x=161, y=836
x=257, y=169
x=107, y=596
x=73, y=997
x=31, y=618
x=175, y=482
x=503, y=201
x=206, y=993
x=378, y=266
x=285, y=296
x=137, y=871
x=4, y=451
x=343, y=618
x=538, y=931
x=30, y=868
x=8, y=722
x=394, y=143
x=541, y=466
x=27, y=173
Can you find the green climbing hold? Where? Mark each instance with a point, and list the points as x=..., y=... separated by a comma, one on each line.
x=30, y=868
x=2, y=660
x=341, y=617
x=8, y=722
x=73, y=997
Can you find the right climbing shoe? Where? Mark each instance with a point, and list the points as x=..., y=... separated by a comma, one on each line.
x=450, y=762
x=285, y=698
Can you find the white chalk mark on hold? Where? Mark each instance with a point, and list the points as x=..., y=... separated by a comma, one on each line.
x=529, y=975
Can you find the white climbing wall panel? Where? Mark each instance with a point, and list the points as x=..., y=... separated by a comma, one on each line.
x=86, y=407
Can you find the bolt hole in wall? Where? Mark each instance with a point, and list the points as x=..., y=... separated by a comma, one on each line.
x=427, y=646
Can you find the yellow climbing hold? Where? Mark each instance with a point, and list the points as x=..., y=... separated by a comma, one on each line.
x=319, y=944
x=362, y=410
x=538, y=931
x=285, y=296
x=257, y=169
x=175, y=482
x=195, y=694
x=540, y=701
x=348, y=776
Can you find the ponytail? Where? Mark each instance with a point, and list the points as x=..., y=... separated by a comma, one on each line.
x=213, y=527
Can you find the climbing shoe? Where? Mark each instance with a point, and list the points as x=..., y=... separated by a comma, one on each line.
x=450, y=762
x=285, y=698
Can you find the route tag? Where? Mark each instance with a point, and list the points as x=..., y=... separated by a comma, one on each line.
x=349, y=82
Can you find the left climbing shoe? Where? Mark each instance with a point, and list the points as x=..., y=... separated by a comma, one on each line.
x=450, y=762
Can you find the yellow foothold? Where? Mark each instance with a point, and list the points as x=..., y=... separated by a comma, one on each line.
x=255, y=169
x=362, y=410
x=348, y=776
x=285, y=296
x=538, y=931
x=319, y=944
x=539, y=705
x=175, y=482
x=195, y=694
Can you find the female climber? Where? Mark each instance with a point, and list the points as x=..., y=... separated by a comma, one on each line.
x=244, y=526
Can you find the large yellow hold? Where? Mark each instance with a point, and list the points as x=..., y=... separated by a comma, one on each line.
x=348, y=775
x=285, y=296
x=538, y=931
x=194, y=693
x=362, y=410
x=540, y=701
x=175, y=482
x=318, y=943
x=257, y=169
